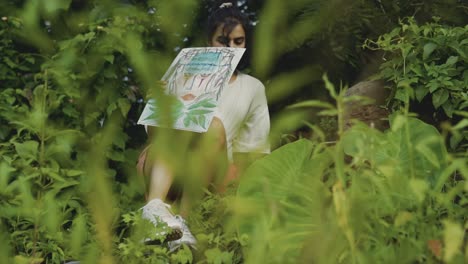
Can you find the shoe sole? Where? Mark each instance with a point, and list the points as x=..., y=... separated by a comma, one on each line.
x=174, y=235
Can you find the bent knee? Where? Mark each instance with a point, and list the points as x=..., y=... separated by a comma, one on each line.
x=217, y=129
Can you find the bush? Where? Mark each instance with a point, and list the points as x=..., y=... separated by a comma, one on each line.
x=425, y=66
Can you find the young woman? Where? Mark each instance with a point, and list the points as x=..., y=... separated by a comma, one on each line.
x=241, y=125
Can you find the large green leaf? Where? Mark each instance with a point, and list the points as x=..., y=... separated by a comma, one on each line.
x=27, y=150
x=285, y=195
x=411, y=149
x=428, y=49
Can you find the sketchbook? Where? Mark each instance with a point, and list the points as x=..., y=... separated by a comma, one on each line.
x=195, y=80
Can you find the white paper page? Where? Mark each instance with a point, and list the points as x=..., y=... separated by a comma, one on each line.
x=196, y=78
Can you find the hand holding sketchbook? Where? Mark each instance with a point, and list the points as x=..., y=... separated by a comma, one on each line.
x=196, y=79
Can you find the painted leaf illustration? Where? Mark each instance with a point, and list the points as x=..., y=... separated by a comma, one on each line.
x=198, y=111
x=155, y=115
x=205, y=103
x=177, y=108
x=187, y=121
x=202, y=121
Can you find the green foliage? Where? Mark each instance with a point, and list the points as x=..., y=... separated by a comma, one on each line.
x=397, y=198
x=426, y=64
x=132, y=250
x=73, y=77
x=430, y=60
x=283, y=204
x=48, y=127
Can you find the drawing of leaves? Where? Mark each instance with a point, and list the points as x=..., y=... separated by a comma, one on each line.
x=200, y=111
x=187, y=121
x=197, y=117
x=196, y=113
x=177, y=109
x=155, y=115
x=202, y=121
x=190, y=119
x=205, y=103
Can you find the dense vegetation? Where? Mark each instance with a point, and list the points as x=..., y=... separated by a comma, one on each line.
x=73, y=79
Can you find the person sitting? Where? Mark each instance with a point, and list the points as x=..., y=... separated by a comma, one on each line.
x=241, y=125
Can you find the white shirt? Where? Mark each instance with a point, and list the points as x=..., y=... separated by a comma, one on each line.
x=243, y=110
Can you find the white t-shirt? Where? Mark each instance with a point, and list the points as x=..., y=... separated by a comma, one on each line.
x=243, y=110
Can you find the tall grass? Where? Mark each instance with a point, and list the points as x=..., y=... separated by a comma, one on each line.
x=74, y=78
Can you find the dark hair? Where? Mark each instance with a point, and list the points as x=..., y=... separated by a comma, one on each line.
x=230, y=16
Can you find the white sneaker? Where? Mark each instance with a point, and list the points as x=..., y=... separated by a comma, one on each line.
x=157, y=212
x=187, y=237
